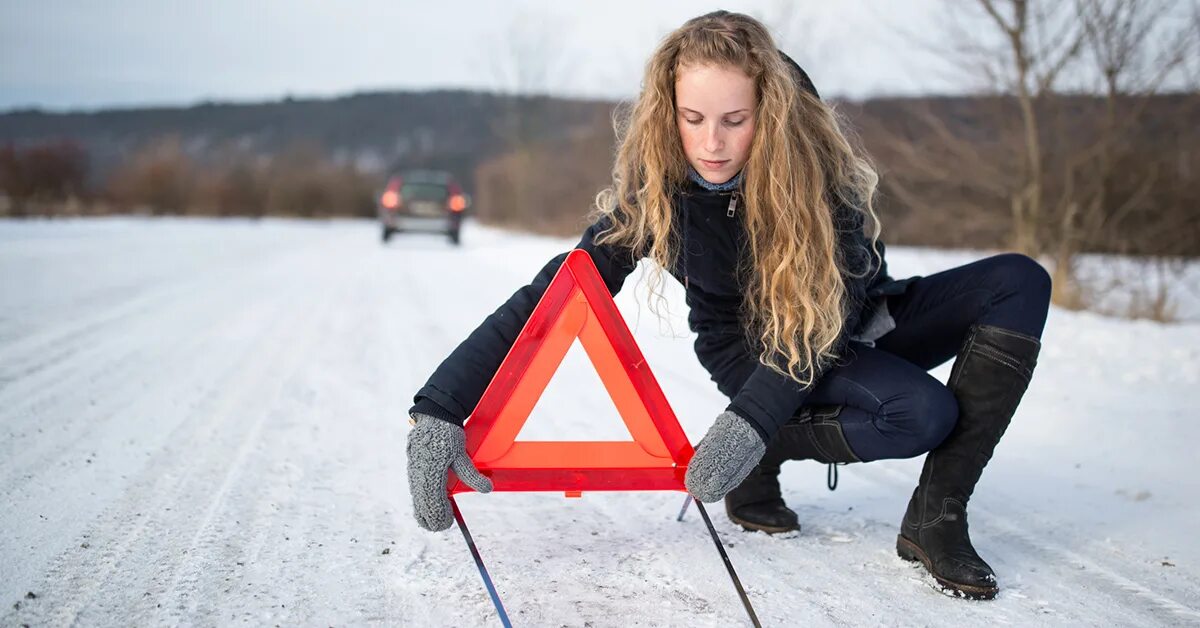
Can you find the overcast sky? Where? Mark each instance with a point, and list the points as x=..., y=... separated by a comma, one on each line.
x=91, y=54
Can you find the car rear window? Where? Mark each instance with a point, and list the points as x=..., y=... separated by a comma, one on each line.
x=423, y=192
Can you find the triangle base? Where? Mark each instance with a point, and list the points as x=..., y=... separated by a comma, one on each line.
x=574, y=481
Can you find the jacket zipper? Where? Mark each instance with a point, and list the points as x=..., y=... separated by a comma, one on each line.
x=729, y=213
x=686, y=216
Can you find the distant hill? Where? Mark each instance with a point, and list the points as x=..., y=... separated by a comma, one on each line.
x=452, y=129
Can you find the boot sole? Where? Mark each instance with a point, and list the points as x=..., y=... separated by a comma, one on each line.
x=913, y=553
x=758, y=527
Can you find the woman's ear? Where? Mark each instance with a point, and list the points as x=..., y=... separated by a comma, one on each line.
x=800, y=75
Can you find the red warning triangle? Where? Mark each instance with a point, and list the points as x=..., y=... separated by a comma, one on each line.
x=576, y=304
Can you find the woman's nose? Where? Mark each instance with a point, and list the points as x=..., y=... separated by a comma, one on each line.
x=713, y=140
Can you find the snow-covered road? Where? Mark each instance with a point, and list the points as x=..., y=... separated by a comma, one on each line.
x=202, y=423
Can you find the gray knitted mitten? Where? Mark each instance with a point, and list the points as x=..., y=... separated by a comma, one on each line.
x=434, y=447
x=724, y=457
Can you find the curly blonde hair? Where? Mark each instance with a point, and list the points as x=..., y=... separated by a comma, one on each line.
x=801, y=168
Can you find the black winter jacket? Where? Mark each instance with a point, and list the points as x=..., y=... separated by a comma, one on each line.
x=713, y=243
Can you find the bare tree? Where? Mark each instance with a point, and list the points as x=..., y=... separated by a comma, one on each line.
x=1013, y=55
x=1057, y=130
x=1134, y=47
x=1042, y=40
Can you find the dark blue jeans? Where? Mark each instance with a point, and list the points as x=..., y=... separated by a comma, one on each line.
x=893, y=407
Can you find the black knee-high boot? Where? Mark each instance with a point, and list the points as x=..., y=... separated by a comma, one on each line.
x=989, y=377
x=813, y=434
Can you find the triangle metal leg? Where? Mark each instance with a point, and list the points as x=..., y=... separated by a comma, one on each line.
x=683, y=510
x=728, y=565
x=487, y=580
x=491, y=589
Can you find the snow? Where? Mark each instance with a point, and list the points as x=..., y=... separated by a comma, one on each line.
x=203, y=422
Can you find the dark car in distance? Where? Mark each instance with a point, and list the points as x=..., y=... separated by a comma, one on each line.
x=424, y=201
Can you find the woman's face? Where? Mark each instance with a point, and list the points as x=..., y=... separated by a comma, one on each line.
x=714, y=107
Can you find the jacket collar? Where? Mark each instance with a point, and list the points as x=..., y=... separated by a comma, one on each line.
x=727, y=186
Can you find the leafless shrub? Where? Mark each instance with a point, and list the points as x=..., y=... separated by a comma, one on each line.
x=35, y=176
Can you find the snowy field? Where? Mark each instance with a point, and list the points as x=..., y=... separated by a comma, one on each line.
x=203, y=423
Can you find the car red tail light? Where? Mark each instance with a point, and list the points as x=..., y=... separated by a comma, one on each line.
x=391, y=197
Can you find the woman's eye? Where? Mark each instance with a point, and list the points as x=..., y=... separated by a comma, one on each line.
x=693, y=122
x=734, y=122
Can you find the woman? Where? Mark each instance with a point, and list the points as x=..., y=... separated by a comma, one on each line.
x=734, y=177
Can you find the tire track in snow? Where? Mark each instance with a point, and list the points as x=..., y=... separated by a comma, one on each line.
x=40, y=393
x=125, y=445
x=185, y=293
x=1141, y=597
x=108, y=368
x=138, y=286
x=186, y=585
x=104, y=364
x=54, y=342
x=24, y=458
x=1086, y=571
x=318, y=510
x=53, y=345
x=300, y=512
x=130, y=546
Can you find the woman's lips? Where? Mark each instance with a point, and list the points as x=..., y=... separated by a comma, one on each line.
x=715, y=165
